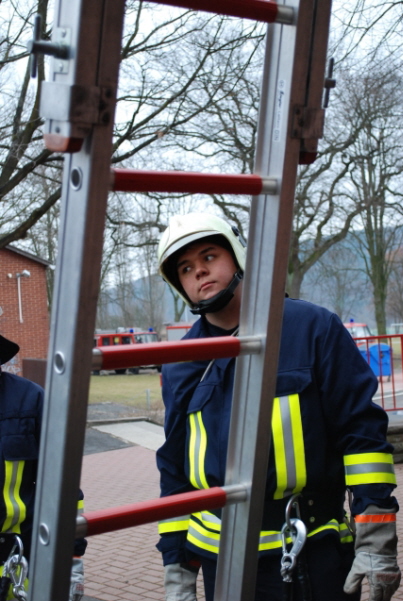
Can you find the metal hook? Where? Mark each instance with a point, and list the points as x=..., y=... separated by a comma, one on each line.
x=296, y=529
x=292, y=503
x=15, y=561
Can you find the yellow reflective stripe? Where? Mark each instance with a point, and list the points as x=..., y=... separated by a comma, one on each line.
x=164, y=528
x=173, y=524
x=202, y=537
x=345, y=534
x=369, y=468
x=380, y=478
x=197, y=450
x=80, y=507
x=270, y=539
x=204, y=532
x=358, y=458
x=289, y=449
x=211, y=521
x=15, y=509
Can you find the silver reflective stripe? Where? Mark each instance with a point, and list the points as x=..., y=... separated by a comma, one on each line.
x=182, y=518
x=369, y=468
x=197, y=451
x=288, y=446
x=210, y=519
x=270, y=539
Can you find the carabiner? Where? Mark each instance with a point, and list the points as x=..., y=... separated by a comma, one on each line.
x=297, y=531
x=293, y=502
x=11, y=566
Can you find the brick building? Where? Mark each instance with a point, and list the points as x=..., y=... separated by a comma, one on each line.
x=23, y=304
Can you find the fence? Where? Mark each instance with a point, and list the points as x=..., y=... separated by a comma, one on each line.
x=385, y=356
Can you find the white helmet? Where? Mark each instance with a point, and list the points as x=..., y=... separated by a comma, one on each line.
x=184, y=229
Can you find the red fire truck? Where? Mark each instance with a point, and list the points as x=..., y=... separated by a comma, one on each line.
x=125, y=336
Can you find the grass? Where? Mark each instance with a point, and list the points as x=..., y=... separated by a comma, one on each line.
x=142, y=391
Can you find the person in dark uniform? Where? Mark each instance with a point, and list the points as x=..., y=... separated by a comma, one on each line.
x=21, y=404
x=327, y=435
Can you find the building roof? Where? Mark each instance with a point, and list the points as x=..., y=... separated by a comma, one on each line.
x=27, y=255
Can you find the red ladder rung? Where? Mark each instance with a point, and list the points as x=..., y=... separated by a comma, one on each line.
x=129, y=180
x=158, y=353
x=145, y=512
x=257, y=10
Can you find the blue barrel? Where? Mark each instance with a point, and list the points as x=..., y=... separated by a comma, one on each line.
x=379, y=357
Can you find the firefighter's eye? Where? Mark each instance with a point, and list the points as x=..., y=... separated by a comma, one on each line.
x=184, y=269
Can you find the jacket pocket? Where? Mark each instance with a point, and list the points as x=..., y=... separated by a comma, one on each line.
x=201, y=396
x=20, y=447
x=293, y=381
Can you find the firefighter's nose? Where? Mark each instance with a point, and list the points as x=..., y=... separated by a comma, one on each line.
x=200, y=270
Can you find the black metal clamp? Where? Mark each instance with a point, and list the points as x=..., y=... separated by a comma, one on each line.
x=38, y=46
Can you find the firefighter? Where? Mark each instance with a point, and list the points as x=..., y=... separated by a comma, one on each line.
x=21, y=403
x=327, y=435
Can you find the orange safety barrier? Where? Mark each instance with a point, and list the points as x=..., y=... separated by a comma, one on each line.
x=384, y=354
x=135, y=514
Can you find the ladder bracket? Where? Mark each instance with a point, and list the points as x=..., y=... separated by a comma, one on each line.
x=308, y=123
x=62, y=38
x=73, y=103
x=71, y=111
x=59, y=48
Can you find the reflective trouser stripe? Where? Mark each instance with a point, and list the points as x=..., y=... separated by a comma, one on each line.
x=288, y=443
x=375, y=519
x=173, y=524
x=80, y=507
x=369, y=468
x=15, y=509
x=204, y=532
x=197, y=450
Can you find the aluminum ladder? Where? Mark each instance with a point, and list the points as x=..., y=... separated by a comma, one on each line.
x=78, y=104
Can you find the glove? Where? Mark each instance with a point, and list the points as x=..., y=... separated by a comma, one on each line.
x=180, y=582
x=375, y=554
x=77, y=579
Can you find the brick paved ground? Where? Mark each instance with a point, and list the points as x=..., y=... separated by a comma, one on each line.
x=124, y=565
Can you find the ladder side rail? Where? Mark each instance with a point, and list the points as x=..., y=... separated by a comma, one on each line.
x=255, y=377
x=94, y=63
x=286, y=75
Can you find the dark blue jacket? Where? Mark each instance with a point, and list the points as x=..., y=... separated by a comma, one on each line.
x=326, y=434
x=21, y=404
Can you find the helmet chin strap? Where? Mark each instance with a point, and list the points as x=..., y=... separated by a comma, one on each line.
x=220, y=300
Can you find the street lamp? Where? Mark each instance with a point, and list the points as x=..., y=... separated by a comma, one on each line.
x=24, y=274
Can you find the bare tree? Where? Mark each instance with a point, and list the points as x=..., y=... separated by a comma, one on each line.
x=395, y=289
x=337, y=281
x=175, y=65
x=375, y=178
